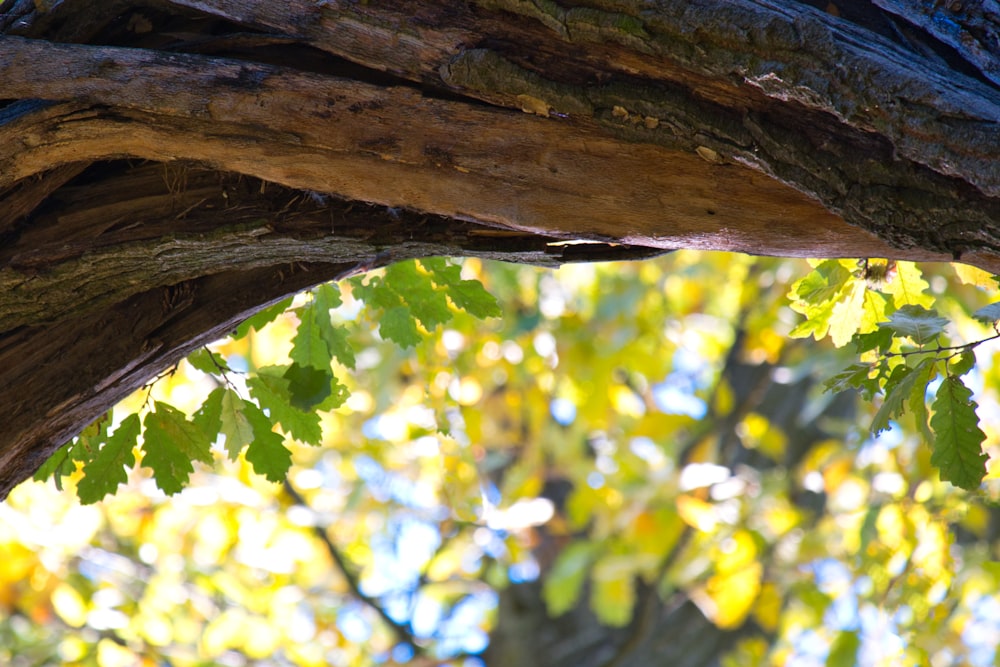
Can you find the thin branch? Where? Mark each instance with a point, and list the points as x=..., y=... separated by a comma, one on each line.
x=949, y=348
x=402, y=631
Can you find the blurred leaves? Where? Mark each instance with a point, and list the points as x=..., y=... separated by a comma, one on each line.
x=622, y=430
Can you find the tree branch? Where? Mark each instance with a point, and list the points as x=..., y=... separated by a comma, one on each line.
x=402, y=631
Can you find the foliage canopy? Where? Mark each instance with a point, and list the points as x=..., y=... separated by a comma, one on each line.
x=620, y=429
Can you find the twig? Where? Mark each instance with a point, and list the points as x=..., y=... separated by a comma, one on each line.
x=939, y=349
x=403, y=632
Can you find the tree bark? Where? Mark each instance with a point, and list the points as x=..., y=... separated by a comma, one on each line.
x=674, y=635
x=167, y=167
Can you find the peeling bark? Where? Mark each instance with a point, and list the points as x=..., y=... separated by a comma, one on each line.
x=168, y=167
x=153, y=155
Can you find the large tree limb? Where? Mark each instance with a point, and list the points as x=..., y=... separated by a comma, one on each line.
x=749, y=125
x=397, y=147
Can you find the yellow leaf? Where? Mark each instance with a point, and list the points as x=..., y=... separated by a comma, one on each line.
x=734, y=595
x=892, y=528
x=767, y=610
x=110, y=654
x=780, y=516
x=262, y=639
x=625, y=401
x=697, y=513
x=70, y=605
x=228, y=630
x=736, y=553
x=612, y=600
x=73, y=648
x=976, y=519
x=909, y=287
x=155, y=628
x=848, y=315
x=971, y=275
x=655, y=532
x=757, y=433
x=835, y=472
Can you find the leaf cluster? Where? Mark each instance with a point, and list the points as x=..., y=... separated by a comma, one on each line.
x=256, y=415
x=905, y=357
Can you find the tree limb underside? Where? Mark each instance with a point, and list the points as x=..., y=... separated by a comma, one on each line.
x=168, y=167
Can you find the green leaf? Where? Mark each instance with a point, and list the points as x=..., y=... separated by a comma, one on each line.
x=307, y=386
x=988, y=314
x=109, y=467
x=375, y=293
x=612, y=594
x=206, y=362
x=964, y=363
x=817, y=322
x=90, y=439
x=872, y=310
x=336, y=338
x=427, y=304
x=902, y=386
x=83, y=448
x=208, y=417
x=271, y=391
x=234, y=423
x=397, y=324
x=869, y=526
x=917, y=323
x=308, y=346
x=958, y=452
x=918, y=400
x=267, y=452
x=338, y=395
x=170, y=444
x=824, y=284
x=325, y=298
x=562, y=585
x=908, y=287
x=472, y=297
x=854, y=376
x=817, y=295
x=879, y=339
x=844, y=650
x=467, y=295
x=437, y=267
x=262, y=317
x=57, y=466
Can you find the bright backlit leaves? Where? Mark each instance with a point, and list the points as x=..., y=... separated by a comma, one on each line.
x=417, y=294
x=103, y=473
x=170, y=446
x=641, y=499
x=900, y=340
x=408, y=299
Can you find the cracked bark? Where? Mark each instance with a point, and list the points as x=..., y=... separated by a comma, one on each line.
x=738, y=125
x=167, y=167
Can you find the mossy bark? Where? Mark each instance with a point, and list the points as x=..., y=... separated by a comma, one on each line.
x=167, y=167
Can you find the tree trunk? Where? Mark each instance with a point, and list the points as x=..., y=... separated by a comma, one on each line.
x=167, y=167
x=661, y=635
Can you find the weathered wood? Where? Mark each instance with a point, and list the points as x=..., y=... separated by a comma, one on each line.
x=971, y=28
x=492, y=126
